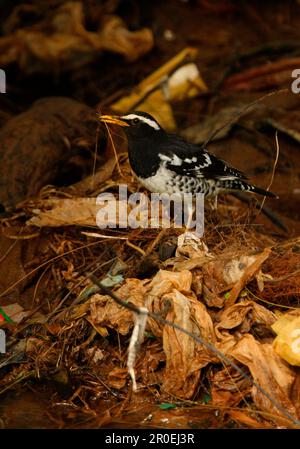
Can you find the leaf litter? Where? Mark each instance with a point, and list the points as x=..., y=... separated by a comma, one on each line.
x=199, y=289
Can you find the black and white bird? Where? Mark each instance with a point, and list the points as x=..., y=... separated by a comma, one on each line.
x=166, y=163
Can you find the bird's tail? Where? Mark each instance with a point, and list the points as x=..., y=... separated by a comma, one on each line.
x=243, y=186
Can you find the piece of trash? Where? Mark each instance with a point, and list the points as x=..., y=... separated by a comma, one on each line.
x=206, y=398
x=167, y=406
x=287, y=342
x=4, y=317
x=148, y=418
x=191, y=245
x=164, y=420
x=181, y=79
x=62, y=42
x=111, y=281
x=13, y=313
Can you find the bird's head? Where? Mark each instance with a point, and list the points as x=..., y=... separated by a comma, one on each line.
x=137, y=125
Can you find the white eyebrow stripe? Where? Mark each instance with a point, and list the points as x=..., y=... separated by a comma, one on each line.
x=147, y=120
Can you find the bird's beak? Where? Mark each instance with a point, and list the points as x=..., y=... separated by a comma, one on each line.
x=112, y=119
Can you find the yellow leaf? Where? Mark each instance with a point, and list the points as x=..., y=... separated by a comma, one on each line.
x=287, y=342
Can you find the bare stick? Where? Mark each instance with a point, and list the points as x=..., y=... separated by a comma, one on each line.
x=273, y=172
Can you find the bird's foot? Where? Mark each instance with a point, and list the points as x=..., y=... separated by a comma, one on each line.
x=214, y=203
x=189, y=238
x=190, y=244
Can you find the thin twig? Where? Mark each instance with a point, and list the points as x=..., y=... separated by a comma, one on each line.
x=273, y=172
x=273, y=217
x=95, y=156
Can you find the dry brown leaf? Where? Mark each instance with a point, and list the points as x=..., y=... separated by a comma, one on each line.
x=105, y=211
x=269, y=371
x=56, y=212
x=64, y=43
x=106, y=312
x=115, y=37
x=295, y=393
x=184, y=356
x=163, y=284
x=242, y=317
x=15, y=312
x=229, y=387
x=229, y=379
x=151, y=369
x=188, y=264
x=224, y=398
x=34, y=344
x=229, y=273
x=242, y=271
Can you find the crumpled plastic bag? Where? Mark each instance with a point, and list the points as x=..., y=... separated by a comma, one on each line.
x=169, y=294
x=269, y=371
x=287, y=342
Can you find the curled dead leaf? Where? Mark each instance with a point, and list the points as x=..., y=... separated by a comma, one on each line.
x=269, y=371
x=63, y=41
x=242, y=317
x=230, y=274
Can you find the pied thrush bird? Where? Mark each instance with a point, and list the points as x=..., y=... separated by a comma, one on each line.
x=166, y=163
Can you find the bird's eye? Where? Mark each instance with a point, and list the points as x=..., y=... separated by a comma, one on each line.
x=135, y=121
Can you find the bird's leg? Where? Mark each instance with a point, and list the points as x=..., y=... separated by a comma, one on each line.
x=188, y=234
x=215, y=203
x=190, y=209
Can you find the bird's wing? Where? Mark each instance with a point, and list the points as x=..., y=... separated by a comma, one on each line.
x=188, y=159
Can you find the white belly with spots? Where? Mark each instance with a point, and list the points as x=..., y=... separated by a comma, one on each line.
x=160, y=182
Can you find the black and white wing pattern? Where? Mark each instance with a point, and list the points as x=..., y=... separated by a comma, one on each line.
x=187, y=159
